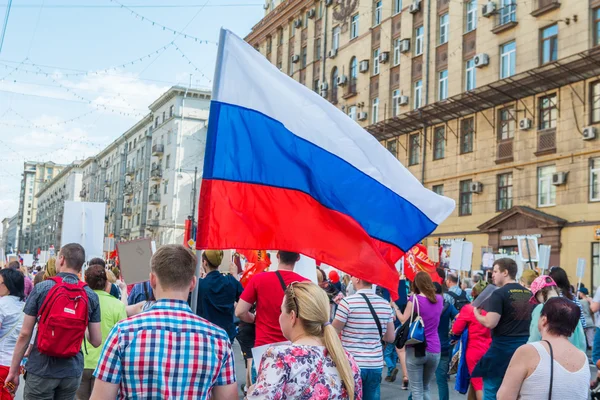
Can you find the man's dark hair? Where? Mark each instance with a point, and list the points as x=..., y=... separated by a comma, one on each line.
x=507, y=264
x=288, y=257
x=14, y=282
x=14, y=265
x=97, y=261
x=453, y=278
x=174, y=265
x=95, y=277
x=562, y=315
x=74, y=255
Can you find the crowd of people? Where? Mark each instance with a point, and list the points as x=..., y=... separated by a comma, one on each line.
x=76, y=330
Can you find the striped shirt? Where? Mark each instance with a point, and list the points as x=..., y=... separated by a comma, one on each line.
x=360, y=336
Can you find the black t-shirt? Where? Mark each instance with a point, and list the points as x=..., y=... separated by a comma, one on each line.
x=511, y=301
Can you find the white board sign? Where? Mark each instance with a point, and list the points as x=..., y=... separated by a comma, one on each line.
x=83, y=223
x=528, y=248
x=27, y=260
x=461, y=256
x=580, y=268
x=134, y=257
x=544, y=262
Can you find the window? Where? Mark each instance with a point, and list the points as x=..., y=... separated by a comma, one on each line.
x=304, y=57
x=438, y=189
x=595, y=102
x=354, y=27
x=168, y=162
x=292, y=29
x=375, y=111
x=155, y=124
x=548, y=111
x=290, y=65
x=353, y=75
x=164, y=212
x=504, y=192
x=417, y=93
x=508, y=61
x=164, y=116
x=595, y=179
x=470, y=72
x=549, y=45
x=335, y=42
x=318, y=49
x=439, y=143
x=507, y=12
x=169, y=134
x=467, y=132
x=376, y=62
x=280, y=37
x=49, y=171
x=334, y=86
x=166, y=188
x=419, y=41
x=397, y=6
x=377, y=14
x=316, y=85
x=392, y=146
x=269, y=44
x=305, y=21
x=352, y=112
x=444, y=22
x=596, y=32
x=149, y=214
x=171, y=111
x=443, y=85
x=471, y=15
x=413, y=149
x=507, y=124
x=396, y=60
x=546, y=190
x=395, y=103
x=137, y=220
x=466, y=198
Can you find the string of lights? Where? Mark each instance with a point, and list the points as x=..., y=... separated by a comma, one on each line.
x=190, y=62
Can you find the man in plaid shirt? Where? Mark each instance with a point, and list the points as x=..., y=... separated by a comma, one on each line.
x=167, y=352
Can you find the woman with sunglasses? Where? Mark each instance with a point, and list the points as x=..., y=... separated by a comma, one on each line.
x=314, y=365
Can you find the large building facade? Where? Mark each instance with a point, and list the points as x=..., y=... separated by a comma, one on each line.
x=35, y=175
x=9, y=234
x=146, y=176
x=494, y=104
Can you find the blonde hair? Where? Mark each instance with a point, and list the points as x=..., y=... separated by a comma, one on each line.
x=50, y=268
x=110, y=276
x=311, y=305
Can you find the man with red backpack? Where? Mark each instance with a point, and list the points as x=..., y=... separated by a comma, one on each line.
x=65, y=310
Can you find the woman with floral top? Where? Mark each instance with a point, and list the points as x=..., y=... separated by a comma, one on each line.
x=314, y=365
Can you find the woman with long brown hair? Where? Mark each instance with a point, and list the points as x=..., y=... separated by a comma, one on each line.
x=422, y=359
x=314, y=364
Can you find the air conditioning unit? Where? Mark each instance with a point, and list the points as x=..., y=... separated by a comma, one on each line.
x=328, y=3
x=403, y=100
x=332, y=53
x=266, y=6
x=362, y=116
x=476, y=187
x=363, y=66
x=342, y=80
x=324, y=86
x=559, y=178
x=589, y=133
x=481, y=60
x=311, y=13
x=415, y=7
x=525, y=124
x=384, y=57
x=298, y=23
x=489, y=9
x=295, y=58
x=323, y=93
x=404, y=45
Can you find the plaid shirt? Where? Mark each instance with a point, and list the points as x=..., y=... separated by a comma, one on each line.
x=166, y=352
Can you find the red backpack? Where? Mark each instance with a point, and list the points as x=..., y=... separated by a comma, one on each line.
x=63, y=319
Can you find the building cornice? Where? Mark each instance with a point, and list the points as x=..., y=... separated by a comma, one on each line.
x=273, y=20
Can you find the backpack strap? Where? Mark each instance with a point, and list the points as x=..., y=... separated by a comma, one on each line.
x=281, y=281
x=374, y=314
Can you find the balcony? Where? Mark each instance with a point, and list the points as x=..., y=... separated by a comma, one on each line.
x=543, y=6
x=154, y=198
x=158, y=149
x=546, y=142
x=128, y=189
x=125, y=232
x=130, y=171
x=107, y=183
x=156, y=174
x=152, y=223
x=505, y=151
x=506, y=18
x=127, y=211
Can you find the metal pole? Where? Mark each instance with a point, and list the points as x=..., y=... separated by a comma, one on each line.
x=194, y=198
x=198, y=272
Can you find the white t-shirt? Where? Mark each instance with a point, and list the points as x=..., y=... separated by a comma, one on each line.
x=596, y=299
x=11, y=321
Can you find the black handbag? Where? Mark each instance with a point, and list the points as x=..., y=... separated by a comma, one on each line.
x=401, y=335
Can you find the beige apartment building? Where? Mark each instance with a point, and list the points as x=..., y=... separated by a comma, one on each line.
x=494, y=104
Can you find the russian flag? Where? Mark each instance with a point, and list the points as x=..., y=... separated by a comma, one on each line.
x=285, y=169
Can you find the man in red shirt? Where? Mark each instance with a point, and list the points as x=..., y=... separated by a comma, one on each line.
x=267, y=290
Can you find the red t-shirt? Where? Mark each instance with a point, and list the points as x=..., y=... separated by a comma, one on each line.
x=265, y=290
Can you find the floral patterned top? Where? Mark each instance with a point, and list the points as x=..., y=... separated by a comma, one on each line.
x=302, y=372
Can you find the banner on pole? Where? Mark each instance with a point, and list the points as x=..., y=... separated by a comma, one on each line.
x=528, y=248
x=544, y=262
x=580, y=268
x=134, y=257
x=461, y=256
x=83, y=223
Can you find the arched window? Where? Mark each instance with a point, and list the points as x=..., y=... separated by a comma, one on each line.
x=353, y=75
x=334, y=86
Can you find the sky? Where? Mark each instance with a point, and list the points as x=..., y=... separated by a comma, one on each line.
x=68, y=87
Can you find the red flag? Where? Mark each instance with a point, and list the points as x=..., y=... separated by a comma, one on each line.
x=253, y=269
x=254, y=256
x=416, y=260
